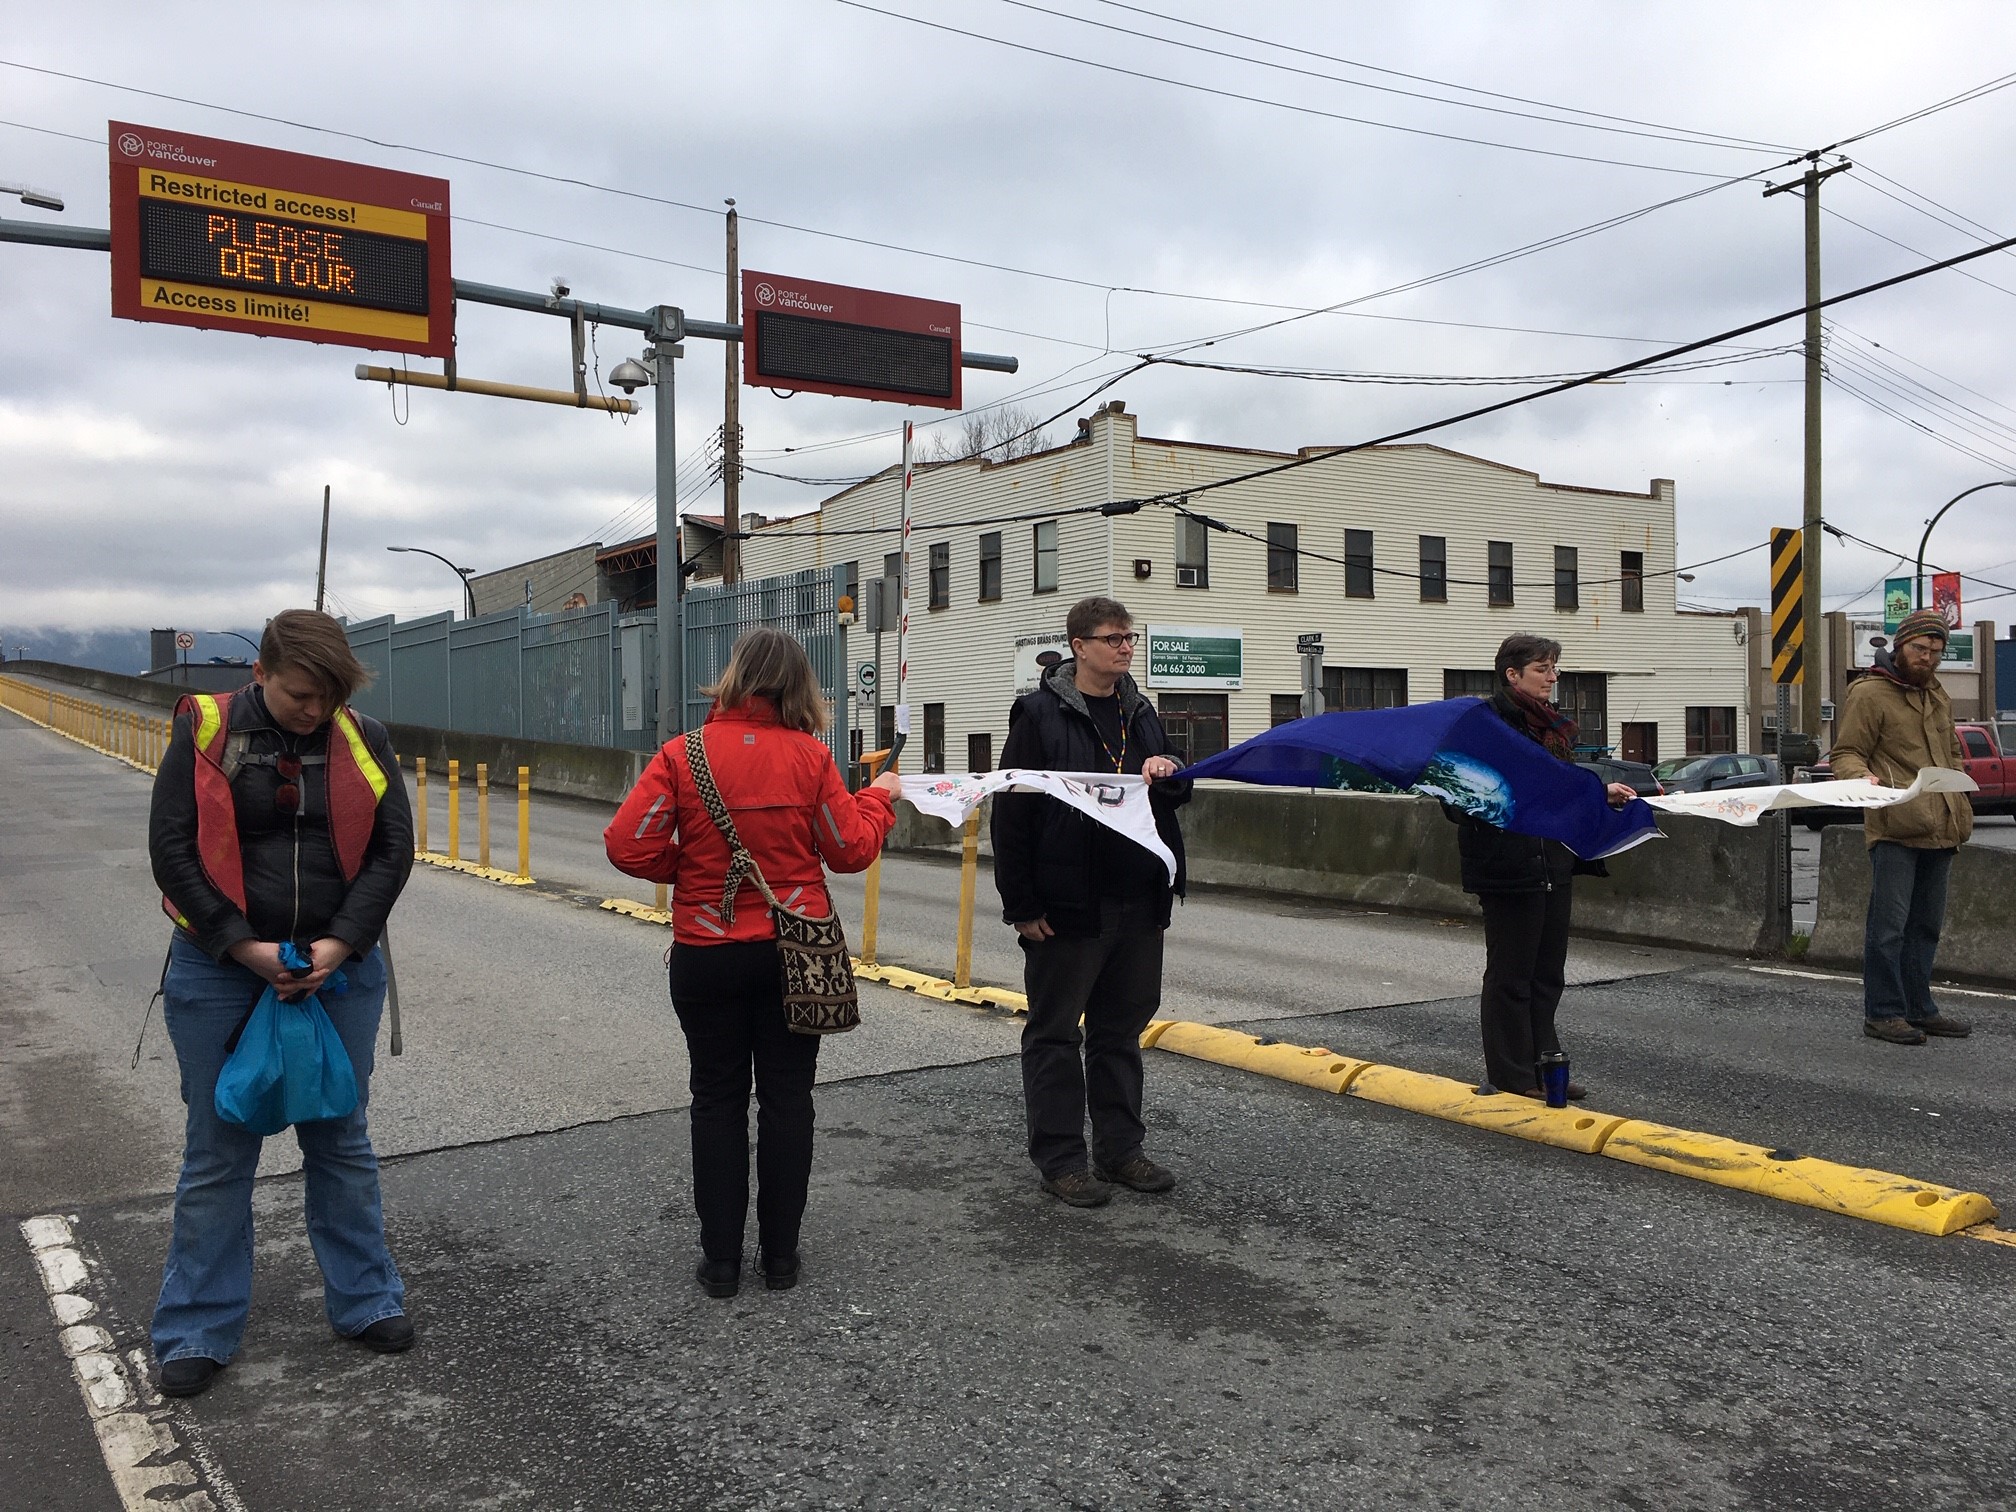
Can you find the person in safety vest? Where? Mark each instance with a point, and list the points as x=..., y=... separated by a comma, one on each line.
x=279, y=817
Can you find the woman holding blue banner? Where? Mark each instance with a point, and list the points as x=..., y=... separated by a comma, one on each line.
x=1524, y=884
x=280, y=837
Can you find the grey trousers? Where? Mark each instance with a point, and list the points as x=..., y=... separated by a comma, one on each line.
x=1113, y=981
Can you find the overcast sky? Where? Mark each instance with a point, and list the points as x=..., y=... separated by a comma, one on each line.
x=154, y=475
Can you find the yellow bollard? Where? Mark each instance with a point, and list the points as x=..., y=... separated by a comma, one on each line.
x=482, y=813
x=969, y=872
x=524, y=821
x=661, y=898
x=871, y=910
x=454, y=810
x=420, y=805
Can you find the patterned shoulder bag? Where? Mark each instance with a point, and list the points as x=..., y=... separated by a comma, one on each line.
x=819, y=996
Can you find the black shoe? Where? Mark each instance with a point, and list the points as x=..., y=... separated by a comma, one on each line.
x=393, y=1335
x=1079, y=1188
x=1896, y=1030
x=188, y=1375
x=720, y=1278
x=780, y=1272
x=1944, y=1025
x=1140, y=1173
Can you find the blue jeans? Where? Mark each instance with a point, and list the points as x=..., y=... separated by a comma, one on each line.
x=206, y=1286
x=1907, y=906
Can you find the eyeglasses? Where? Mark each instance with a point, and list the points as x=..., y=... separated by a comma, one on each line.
x=1120, y=640
x=287, y=796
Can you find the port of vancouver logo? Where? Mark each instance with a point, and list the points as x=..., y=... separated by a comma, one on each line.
x=131, y=145
x=765, y=295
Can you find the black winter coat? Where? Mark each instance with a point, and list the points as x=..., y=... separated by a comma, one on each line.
x=1044, y=851
x=1498, y=861
x=294, y=889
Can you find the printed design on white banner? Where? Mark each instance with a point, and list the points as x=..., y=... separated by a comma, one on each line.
x=1748, y=805
x=1117, y=801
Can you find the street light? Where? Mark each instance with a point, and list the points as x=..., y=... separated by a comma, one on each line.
x=1918, y=572
x=33, y=197
x=245, y=638
x=468, y=593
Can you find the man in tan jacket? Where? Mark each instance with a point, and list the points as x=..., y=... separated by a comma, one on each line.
x=1896, y=721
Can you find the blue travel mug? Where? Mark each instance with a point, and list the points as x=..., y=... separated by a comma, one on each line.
x=1554, y=1079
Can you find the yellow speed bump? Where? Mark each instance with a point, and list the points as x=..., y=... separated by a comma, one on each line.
x=1854, y=1191
x=1501, y=1112
x=474, y=869
x=1308, y=1066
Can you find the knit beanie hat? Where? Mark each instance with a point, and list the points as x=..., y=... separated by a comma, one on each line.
x=1921, y=622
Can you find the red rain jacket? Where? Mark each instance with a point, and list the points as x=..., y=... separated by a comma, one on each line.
x=789, y=805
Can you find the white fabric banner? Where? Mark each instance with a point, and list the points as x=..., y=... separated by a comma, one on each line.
x=1748, y=805
x=1116, y=801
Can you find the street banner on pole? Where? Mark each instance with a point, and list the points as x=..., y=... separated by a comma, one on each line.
x=1946, y=597
x=1896, y=603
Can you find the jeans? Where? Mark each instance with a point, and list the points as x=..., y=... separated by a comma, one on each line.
x=206, y=1286
x=730, y=1002
x=1525, y=970
x=1907, y=906
x=1113, y=981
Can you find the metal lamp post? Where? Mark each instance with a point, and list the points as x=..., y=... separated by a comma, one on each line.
x=468, y=593
x=245, y=638
x=1918, y=571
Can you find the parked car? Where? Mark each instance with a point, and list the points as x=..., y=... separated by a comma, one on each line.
x=1982, y=751
x=1702, y=774
x=1635, y=775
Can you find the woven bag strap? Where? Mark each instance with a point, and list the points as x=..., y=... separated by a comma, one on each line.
x=740, y=863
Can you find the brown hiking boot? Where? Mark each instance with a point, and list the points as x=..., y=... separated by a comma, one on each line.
x=1896, y=1030
x=1944, y=1025
x=1140, y=1173
x=1079, y=1188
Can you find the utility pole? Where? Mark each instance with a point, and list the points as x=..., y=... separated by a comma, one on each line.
x=731, y=418
x=1811, y=688
x=322, y=562
x=668, y=329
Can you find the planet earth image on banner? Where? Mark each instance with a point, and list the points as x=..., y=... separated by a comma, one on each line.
x=1465, y=783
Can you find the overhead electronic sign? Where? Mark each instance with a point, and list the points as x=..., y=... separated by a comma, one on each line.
x=239, y=238
x=830, y=339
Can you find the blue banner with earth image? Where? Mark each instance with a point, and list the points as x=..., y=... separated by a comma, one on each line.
x=1457, y=750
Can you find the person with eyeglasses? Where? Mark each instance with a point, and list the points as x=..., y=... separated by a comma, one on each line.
x=279, y=817
x=1089, y=907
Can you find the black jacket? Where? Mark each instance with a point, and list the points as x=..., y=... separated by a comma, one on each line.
x=1045, y=851
x=294, y=890
x=1499, y=861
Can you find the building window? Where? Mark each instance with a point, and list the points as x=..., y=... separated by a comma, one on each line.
x=1631, y=581
x=1195, y=722
x=1567, y=578
x=1500, y=554
x=1585, y=698
x=980, y=753
x=1434, y=569
x=1283, y=708
x=892, y=565
x=885, y=726
x=1193, y=553
x=850, y=581
x=1710, y=730
x=1357, y=564
x=990, y=573
x=934, y=737
x=1282, y=559
x=1460, y=684
x=941, y=574
x=1364, y=688
x=1046, y=557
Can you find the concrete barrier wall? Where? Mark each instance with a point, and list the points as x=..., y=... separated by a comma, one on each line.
x=114, y=684
x=573, y=771
x=1706, y=885
x=1979, y=943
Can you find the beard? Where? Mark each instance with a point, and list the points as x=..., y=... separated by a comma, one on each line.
x=1917, y=676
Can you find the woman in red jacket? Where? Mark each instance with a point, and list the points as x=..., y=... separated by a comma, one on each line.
x=792, y=811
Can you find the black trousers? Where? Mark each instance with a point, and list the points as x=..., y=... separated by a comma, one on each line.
x=1525, y=969
x=730, y=1002
x=1113, y=981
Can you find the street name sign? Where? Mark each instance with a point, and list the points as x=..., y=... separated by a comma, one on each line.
x=231, y=237
x=823, y=338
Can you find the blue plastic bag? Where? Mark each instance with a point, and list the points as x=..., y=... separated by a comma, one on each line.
x=289, y=1067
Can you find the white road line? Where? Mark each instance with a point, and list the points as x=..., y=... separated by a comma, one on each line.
x=1832, y=976
x=151, y=1457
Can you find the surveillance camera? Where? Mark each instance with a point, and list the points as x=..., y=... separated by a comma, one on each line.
x=630, y=375
x=560, y=289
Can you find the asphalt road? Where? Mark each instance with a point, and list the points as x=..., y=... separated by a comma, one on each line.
x=1340, y=1305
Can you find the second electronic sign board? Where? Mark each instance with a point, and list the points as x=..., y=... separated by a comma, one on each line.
x=241, y=238
x=831, y=339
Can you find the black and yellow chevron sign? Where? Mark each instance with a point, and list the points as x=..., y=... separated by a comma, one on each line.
x=1788, y=607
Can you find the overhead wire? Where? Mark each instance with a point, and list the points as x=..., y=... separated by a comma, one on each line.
x=1977, y=92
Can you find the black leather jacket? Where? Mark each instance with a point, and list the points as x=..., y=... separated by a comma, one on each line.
x=294, y=889
x=1045, y=852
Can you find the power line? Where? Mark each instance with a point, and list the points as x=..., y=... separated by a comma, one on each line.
x=1449, y=380
x=1833, y=529
x=1965, y=95
x=1661, y=134
x=1907, y=247
x=1231, y=94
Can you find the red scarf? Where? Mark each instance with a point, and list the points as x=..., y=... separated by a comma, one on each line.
x=1546, y=723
